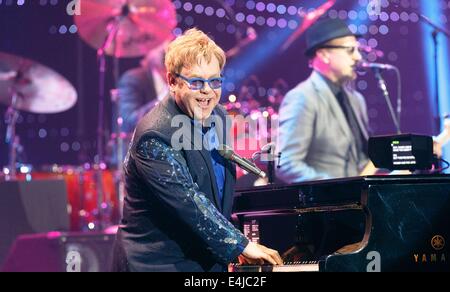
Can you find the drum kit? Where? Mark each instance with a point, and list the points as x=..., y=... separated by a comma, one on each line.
x=116, y=28
x=259, y=125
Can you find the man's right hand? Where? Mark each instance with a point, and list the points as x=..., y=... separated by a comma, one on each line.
x=258, y=254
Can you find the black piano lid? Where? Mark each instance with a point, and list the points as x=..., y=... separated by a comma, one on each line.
x=333, y=192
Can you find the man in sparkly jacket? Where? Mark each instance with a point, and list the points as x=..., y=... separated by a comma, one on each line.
x=180, y=192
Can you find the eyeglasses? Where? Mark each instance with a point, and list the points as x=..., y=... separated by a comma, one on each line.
x=199, y=83
x=350, y=49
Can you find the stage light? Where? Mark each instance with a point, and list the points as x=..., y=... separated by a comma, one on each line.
x=240, y=17
x=292, y=24
x=76, y=146
x=352, y=15
x=404, y=16
x=73, y=29
x=53, y=29
x=177, y=31
x=271, y=22
x=282, y=23
x=384, y=16
x=362, y=85
x=189, y=20
x=395, y=17
x=231, y=29
x=25, y=169
x=177, y=4
x=362, y=29
x=413, y=17
x=260, y=21
x=333, y=14
x=343, y=15
x=373, y=43
x=251, y=19
x=281, y=9
x=292, y=10
x=187, y=6
x=384, y=30
x=209, y=11
x=64, y=147
x=254, y=116
x=260, y=6
x=199, y=9
x=220, y=13
x=62, y=29
x=271, y=7
x=42, y=133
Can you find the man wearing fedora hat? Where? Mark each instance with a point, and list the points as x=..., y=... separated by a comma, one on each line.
x=323, y=121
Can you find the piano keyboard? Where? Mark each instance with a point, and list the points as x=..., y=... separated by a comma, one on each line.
x=287, y=267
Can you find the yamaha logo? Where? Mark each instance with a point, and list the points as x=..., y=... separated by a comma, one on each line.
x=439, y=256
x=438, y=242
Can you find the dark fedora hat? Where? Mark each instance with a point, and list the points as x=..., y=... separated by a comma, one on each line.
x=323, y=31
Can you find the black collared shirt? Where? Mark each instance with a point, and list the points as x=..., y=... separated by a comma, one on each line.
x=347, y=109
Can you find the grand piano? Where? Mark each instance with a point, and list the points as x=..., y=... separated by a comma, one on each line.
x=363, y=224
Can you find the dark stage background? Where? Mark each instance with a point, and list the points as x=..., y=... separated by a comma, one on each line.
x=42, y=30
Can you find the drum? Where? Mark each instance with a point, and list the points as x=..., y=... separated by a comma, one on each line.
x=91, y=205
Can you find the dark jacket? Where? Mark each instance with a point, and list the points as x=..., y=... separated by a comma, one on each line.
x=173, y=220
x=136, y=96
x=136, y=90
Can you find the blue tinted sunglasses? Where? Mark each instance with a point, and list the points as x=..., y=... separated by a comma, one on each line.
x=199, y=83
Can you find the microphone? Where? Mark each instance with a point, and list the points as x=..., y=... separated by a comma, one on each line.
x=228, y=153
x=268, y=148
x=268, y=152
x=367, y=65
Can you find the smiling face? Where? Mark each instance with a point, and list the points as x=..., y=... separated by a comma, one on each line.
x=197, y=104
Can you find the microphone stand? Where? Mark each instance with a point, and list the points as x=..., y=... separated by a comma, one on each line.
x=437, y=117
x=119, y=141
x=383, y=87
x=11, y=139
x=110, y=40
x=271, y=171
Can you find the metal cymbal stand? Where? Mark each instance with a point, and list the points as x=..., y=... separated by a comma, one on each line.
x=13, y=141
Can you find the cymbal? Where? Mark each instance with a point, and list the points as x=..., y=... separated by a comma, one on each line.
x=39, y=89
x=137, y=25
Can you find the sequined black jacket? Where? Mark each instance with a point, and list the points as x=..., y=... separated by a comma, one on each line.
x=172, y=218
